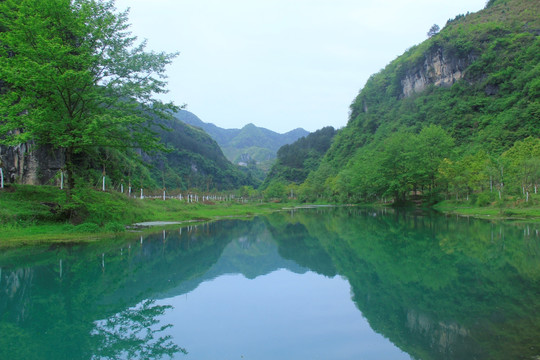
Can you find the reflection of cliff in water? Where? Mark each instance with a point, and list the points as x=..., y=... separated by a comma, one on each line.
x=15, y=289
x=438, y=287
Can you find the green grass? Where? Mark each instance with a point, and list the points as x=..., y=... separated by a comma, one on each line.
x=508, y=210
x=41, y=214
x=37, y=214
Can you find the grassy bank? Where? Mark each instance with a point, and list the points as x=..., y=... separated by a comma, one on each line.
x=33, y=214
x=510, y=209
x=36, y=214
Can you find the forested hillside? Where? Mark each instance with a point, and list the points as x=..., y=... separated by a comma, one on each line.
x=194, y=160
x=455, y=116
x=295, y=161
x=251, y=144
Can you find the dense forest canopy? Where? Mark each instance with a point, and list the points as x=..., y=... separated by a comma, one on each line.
x=295, y=161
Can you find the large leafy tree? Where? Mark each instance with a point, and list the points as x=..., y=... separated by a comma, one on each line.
x=73, y=78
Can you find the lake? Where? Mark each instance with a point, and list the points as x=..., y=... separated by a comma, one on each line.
x=323, y=283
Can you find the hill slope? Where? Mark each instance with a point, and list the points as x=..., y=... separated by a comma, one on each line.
x=194, y=160
x=467, y=95
x=296, y=160
x=251, y=143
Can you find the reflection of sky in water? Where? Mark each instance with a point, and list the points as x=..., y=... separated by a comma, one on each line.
x=439, y=287
x=281, y=315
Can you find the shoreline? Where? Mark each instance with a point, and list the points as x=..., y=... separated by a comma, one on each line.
x=25, y=219
x=491, y=213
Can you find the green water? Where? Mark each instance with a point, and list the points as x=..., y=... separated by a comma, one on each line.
x=327, y=283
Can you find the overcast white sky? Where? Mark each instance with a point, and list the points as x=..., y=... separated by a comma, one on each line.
x=281, y=64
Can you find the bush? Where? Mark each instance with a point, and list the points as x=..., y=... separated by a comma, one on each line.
x=114, y=227
x=86, y=228
x=484, y=199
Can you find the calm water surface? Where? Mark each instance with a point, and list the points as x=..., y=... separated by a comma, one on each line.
x=340, y=283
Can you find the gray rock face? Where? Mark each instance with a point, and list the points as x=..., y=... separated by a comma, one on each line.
x=438, y=69
x=31, y=164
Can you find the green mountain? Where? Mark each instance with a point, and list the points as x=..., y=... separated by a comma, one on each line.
x=295, y=161
x=452, y=116
x=196, y=160
x=249, y=144
x=192, y=160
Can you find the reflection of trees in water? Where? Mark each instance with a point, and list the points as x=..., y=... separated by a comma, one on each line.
x=51, y=298
x=132, y=334
x=438, y=287
x=15, y=291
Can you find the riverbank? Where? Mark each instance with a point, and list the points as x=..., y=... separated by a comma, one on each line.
x=509, y=211
x=41, y=214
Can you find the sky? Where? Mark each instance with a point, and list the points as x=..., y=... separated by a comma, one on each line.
x=281, y=64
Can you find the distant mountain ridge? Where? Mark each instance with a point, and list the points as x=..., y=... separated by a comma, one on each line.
x=194, y=159
x=251, y=143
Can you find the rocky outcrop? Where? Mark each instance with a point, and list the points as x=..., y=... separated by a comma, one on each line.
x=30, y=164
x=438, y=68
x=444, y=337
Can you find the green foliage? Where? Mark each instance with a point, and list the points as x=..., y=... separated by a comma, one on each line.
x=295, y=161
x=194, y=160
x=87, y=227
x=433, y=30
x=247, y=192
x=276, y=191
x=41, y=213
x=485, y=198
x=523, y=161
x=402, y=163
x=440, y=138
x=252, y=145
x=75, y=80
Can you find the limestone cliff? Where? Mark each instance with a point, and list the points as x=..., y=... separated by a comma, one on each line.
x=438, y=68
x=30, y=164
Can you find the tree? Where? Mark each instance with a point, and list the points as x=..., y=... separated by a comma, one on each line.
x=74, y=79
x=398, y=159
x=276, y=191
x=524, y=161
x=434, y=144
x=433, y=30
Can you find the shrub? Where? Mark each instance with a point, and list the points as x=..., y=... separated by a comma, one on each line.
x=484, y=199
x=86, y=228
x=114, y=227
